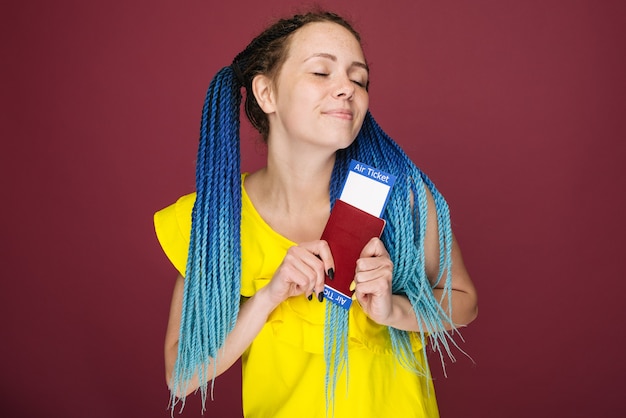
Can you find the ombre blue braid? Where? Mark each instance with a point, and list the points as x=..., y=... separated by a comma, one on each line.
x=403, y=237
x=335, y=349
x=212, y=280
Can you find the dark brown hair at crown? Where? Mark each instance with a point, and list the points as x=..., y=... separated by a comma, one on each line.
x=266, y=54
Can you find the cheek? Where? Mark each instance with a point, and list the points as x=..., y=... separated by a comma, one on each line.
x=363, y=103
x=363, y=100
x=304, y=94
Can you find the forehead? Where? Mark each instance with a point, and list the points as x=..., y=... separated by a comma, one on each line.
x=326, y=37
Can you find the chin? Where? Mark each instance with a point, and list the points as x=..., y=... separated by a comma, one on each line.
x=344, y=144
x=341, y=140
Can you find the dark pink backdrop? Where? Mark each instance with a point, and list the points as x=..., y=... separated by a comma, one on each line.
x=516, y=109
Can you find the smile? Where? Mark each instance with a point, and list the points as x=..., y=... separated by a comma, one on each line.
x=340, y=114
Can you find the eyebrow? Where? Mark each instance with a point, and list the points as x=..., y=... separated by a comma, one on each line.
x=334, y=58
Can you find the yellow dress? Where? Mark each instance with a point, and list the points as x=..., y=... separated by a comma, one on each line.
x=283, y=369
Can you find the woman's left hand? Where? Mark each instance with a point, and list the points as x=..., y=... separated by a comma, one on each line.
x=372, y=281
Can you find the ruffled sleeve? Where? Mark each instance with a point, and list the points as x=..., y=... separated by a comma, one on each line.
x=173, y=229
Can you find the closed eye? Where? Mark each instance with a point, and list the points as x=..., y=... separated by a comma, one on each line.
x=362, y=84
x=321, y=74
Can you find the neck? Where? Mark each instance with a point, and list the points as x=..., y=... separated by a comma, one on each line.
x=292, y=193
x=297, y=185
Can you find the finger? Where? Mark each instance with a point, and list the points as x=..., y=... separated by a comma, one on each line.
x=293, y=278
x=313, y=266
x=374, y=248
x=364, y=277
x=315, y=263
x=374, y=265
x=300, y=271
x=327, y=257
x=323, y=256
x=376, y=285
x=321, y=249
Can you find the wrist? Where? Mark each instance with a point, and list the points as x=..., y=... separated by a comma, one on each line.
x=401, y=314
x=264, y=300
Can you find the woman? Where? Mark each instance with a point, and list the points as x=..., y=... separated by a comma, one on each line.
x=257, y=236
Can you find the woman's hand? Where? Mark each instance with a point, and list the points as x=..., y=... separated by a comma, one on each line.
x=302, y=272
x=372, y=281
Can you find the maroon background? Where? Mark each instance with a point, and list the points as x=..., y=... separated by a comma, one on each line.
x=515, y=108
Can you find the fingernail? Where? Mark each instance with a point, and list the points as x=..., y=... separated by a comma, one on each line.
x=352, y=286
x=320, y=296
x=310, y=297
x=331, y=273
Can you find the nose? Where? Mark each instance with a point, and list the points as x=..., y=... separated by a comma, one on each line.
x=344, y=89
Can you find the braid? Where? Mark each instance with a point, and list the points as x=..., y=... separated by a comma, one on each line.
x=403, y=237
x=335, y=349
x=211, y=296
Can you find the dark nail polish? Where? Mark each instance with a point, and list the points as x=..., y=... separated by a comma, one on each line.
x=310, y=297
x=320, y=296
x=331, y=273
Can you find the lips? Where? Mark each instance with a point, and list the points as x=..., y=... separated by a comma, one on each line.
x=340, y=114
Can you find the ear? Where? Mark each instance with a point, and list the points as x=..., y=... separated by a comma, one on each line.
x=262, y=88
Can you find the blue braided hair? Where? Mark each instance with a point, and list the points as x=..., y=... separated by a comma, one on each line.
x=403, y=237
x=211, y=293
x=213, y=273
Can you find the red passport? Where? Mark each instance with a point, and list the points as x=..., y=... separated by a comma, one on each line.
x=347, y=231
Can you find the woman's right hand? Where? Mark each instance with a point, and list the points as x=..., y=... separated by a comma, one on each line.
x=302, y=272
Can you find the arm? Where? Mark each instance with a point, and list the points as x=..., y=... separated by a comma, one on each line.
x=300, y=273
x=252, y=316
x=463, y=296
x=373, y=283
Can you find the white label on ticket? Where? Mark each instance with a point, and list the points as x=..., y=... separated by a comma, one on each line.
x=367, y=188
